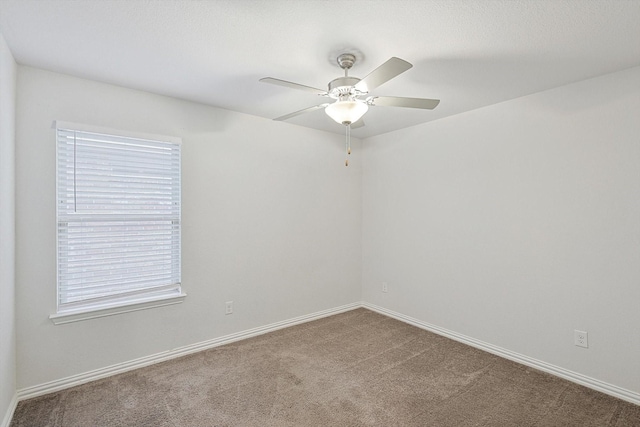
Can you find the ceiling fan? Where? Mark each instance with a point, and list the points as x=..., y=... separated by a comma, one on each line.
x=350, y=93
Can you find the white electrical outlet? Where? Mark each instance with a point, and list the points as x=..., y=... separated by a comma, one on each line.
x=385, y=288
x=228, y=307
x=581, y=339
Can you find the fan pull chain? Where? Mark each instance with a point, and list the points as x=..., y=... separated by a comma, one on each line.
x=348, y=144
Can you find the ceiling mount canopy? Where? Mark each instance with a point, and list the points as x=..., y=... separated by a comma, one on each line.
x=346, y=61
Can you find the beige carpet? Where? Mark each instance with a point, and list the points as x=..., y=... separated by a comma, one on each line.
x=354, y=369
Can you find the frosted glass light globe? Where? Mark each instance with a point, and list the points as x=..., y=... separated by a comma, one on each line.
x=346, y=112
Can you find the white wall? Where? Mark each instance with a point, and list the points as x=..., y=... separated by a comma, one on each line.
x=271, y=220
x=514, y=224
x=517, y=223
x=7, y=229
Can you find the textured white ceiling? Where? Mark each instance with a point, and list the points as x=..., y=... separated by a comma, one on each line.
x=467, y=53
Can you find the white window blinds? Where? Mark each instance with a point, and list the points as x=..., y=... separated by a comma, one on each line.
x=118, y=219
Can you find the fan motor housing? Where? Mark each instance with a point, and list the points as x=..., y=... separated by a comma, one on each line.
x=342, y=86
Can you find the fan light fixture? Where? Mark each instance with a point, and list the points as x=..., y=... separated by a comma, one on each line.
x=346, y=112
x=350, y=92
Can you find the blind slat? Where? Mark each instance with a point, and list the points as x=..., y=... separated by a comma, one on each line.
x=116, y=280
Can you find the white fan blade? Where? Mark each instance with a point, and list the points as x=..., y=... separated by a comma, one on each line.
x=297, y=113
x=293, y=85
x=397, y=101
x=390, y=69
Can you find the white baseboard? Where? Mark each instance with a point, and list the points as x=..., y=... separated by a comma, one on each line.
x=86, y=377
x=10, y=410
x=612, y=390
x=74, y=380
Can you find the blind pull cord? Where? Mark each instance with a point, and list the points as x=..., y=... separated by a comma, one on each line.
x=75, y=197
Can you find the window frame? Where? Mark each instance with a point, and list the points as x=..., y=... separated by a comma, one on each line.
x=118, y=305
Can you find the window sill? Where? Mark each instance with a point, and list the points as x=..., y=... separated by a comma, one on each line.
x=86, y=314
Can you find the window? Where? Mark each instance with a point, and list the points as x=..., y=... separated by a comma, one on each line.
x=118, y=211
